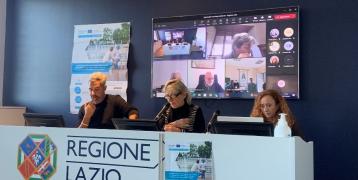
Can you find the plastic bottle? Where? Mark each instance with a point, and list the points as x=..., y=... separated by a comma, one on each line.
x=282, y=129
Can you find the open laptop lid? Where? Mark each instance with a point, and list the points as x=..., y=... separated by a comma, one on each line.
x=43, y=120
x=240, y=119
x=138, y=124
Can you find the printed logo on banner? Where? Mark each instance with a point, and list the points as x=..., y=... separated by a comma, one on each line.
x=37, y=157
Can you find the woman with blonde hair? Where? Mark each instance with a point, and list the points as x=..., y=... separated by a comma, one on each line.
x=179, y=114
x=269, y=104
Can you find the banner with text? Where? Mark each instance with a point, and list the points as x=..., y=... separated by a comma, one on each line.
x=65, y=153
x=99, y=48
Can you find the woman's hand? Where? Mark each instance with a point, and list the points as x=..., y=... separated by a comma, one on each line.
x=181, y=123
x=177, y=125
x=171, y=128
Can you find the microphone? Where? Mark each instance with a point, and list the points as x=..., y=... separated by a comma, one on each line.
x=161, y=112
x=212, y=121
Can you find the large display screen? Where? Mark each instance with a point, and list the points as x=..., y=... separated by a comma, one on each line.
x=228, y=55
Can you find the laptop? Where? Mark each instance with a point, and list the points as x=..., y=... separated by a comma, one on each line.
x=43, y=120
x=138, y=124
x=240, y=119
x=242, y=126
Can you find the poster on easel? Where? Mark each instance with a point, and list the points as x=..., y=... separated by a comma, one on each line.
x=188, y=161
x=99, y=48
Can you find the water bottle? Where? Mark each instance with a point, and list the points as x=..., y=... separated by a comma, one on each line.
x=282, y=129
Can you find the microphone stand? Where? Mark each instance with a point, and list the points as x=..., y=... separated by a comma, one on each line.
x=159, y=116
x=212, y=121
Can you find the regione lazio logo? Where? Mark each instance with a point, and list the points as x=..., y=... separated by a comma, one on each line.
x=36, y=158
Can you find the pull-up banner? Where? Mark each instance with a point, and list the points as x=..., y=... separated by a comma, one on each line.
x=99, y=48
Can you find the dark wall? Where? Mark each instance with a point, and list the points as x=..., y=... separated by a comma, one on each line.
x=39, y=44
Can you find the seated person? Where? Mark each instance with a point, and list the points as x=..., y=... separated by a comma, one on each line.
x=98, y=113
x=179, y=114
x=209, y=84
x=269, y=104
x=236, y=84
x=175, y=75
x=233, y=84
x=158, y=48
x=243, y=47
x=229, y=84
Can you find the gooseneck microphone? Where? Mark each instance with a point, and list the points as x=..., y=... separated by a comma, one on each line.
x=212, y=121
x=161, y=113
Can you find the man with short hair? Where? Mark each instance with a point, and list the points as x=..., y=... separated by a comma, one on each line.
x=98, y=113
x=209, y=84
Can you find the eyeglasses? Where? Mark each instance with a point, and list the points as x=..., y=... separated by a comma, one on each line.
x=171, y=97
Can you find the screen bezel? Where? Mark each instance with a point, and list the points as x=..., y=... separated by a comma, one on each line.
x=295, y=95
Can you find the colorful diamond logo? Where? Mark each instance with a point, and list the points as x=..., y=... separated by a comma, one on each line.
x=37, y=157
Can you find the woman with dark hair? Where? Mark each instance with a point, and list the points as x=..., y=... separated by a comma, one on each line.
x=179, y=114
x=269, y=104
